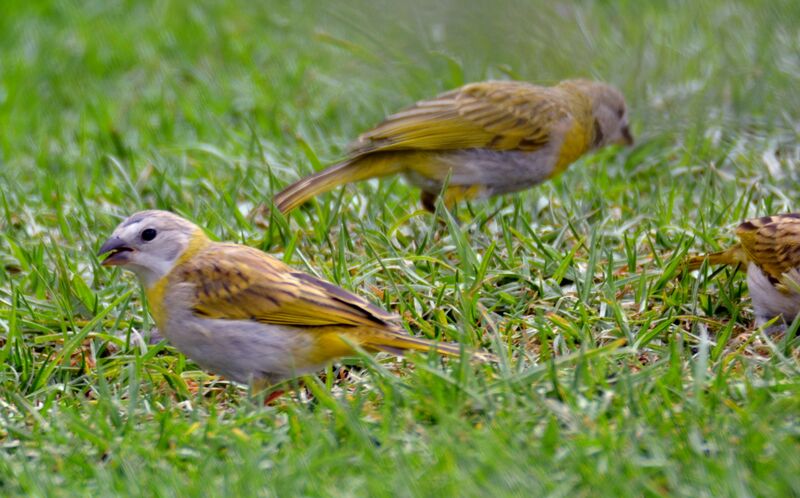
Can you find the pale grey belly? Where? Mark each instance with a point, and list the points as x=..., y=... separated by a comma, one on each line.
x=243, y=350
x=499, y=172
x=768, y=302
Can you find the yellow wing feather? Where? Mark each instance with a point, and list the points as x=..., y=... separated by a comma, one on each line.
x=501, y=115
x=239, y=282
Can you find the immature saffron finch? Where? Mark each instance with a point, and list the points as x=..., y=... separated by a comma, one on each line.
x=482, y=139
x=769, y=250
x=241, y=313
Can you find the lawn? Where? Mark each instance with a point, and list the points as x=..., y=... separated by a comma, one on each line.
x=620, y=374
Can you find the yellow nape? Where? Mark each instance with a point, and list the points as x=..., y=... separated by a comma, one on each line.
x=198, y=242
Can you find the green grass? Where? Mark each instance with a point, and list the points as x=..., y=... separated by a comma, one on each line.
x=616, y=379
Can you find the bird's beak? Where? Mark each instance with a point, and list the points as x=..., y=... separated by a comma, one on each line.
x=117, y=252
x=627, y=138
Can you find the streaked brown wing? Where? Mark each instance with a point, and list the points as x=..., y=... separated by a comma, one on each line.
x=501, y=115
x=772, y=243
x=240, y=282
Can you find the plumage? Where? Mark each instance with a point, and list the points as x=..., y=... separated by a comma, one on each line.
x=772, y=243
x=769, y=250
x=471, y=134
x=239, y=282
x=500, y=115
x=240, y=312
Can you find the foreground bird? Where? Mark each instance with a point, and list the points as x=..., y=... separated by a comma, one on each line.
x=482, y=139
x=241, y=313
x=769, y=250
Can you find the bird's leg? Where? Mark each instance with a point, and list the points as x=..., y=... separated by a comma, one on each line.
x=428, y=201
x=340, y=374
x=452, y=195
x=260, y=385
x=273, y=396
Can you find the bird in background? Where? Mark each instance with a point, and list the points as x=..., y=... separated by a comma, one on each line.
x=239, y=312
x=479, y=140
x=769, y=251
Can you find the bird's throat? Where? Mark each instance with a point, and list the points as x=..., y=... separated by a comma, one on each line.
x=577, y=141
x=155, y=299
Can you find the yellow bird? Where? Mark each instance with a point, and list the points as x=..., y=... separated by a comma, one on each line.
x=769, y=251
x=482, y=139
x=239, y=312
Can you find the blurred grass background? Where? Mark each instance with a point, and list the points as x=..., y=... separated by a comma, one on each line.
x=207, y=108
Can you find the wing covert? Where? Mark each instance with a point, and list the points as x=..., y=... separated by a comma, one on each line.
x=501, y=115
x=772, y=243
x=238, y=282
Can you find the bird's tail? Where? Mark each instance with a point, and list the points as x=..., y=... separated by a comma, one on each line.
x=731, y=256
x=399, y=344
x=349, y=171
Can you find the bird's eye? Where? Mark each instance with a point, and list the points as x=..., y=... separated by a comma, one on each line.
x=149, y=234
x=620, y=113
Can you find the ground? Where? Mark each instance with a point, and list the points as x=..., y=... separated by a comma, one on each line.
x=620, y=374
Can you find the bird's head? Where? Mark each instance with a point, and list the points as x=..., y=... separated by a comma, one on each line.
x=609, y=112
x=149, y=243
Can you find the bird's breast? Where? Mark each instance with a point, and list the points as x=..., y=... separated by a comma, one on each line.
x=156, y=295
x=577, y=139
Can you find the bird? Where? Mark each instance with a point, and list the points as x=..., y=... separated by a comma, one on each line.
x=479, y=140
x=241, y=313
x=769, y=251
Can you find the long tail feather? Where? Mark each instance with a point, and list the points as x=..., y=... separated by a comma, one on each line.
x=730, y=256
x=399, y=344
x=352, y=170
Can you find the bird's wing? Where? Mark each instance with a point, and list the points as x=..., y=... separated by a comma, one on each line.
x=501, y=115
x=239, y=282
x=772, y=243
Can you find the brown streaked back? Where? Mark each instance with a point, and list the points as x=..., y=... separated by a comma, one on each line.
x=772, y=243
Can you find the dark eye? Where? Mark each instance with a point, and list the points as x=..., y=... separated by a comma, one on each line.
x=620, y=113
x=149, y=234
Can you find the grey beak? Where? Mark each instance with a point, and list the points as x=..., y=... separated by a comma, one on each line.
x=111, y=244
x=117, y=252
